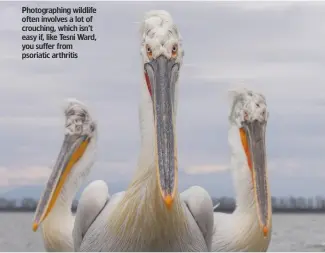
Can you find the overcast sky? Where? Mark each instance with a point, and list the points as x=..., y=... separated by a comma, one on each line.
x=274, y=48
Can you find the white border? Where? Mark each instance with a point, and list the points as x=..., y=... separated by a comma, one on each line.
x=249, y=1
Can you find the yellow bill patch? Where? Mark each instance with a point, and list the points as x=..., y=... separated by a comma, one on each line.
x=66, y=171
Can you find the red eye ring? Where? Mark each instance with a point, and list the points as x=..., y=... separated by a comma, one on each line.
x=174, y=50
x=149, y=51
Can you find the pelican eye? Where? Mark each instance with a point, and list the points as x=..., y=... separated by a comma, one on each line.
x=149, y=52
x=174, y=50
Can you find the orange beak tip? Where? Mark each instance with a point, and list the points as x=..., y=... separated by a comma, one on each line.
x=35, y=226
x=168, y=201
x=265, y=231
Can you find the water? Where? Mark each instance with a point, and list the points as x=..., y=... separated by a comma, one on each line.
x=291, y=232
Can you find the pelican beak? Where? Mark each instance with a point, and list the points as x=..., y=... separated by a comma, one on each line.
x=72, y=149
x=162, y=74
x=253, y=139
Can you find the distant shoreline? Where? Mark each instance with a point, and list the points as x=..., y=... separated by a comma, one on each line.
x=279, y=210
x=308, y=211
x=17, y=211
x=284, y=211
x=280, y=205
x=23, y=210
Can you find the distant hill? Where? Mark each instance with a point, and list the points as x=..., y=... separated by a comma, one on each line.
x=185, y=181
x=35, y=191
x=23, y=192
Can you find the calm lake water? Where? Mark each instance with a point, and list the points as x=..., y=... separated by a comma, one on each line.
x=291, y=232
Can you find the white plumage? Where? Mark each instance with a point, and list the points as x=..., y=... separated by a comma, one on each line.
x=54, y=208
x=242, y=230
x=151, y=215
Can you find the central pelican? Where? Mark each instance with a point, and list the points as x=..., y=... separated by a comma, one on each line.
x=150, y=215
x=249, y=227
x=70, y=171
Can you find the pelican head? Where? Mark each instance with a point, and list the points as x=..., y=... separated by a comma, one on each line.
x=162, y=55
x=80, y=134
x=249, y=113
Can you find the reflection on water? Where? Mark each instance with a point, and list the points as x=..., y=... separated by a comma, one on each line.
x=291, y=232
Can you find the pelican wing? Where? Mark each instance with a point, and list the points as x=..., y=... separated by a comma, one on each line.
x=199, y=203
x=93, y=199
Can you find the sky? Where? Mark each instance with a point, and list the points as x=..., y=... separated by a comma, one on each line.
x=274, y=48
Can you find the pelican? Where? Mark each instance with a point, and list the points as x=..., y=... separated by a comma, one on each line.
x=150, y=215
x=249, y=227
x=71, y=169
